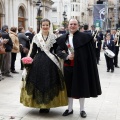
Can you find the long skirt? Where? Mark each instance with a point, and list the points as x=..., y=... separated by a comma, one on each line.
x=43, y=84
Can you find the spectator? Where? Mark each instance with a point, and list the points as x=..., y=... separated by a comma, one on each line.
x=30, y=33
x=86, y=29
x=1, y=57
x=24, y=43
x=8, y=48
x=15, y=49
x=81, y=28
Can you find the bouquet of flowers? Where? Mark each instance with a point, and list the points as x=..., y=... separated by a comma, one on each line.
x=70, y=48
x=27, y=61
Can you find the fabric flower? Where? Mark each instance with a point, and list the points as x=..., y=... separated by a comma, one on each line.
x=27, y=60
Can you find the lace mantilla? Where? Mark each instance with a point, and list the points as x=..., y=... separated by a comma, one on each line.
x=49, y=43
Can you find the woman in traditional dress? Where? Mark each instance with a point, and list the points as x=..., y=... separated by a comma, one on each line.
x=45, y=87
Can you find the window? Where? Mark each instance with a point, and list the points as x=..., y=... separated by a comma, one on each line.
x=54, y=19
x=65, y=8
x=73, y=8
x=21, y=12
x=54, y=9
x=76, y=8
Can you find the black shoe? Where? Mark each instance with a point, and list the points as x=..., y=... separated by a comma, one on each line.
x=83, y=114
x=1, y=78
x=21, y=68
x=8, y=75
x=117, y=66
x=112, y=71
x=44, y=110
x=108, y=70
x=13, y=71
x=66, y=113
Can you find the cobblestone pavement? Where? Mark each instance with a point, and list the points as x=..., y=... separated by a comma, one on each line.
x=105, y=107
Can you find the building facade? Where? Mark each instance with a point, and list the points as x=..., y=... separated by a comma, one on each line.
x=79, y=10
x=73, y=8
x=22, y=12
x=112, y=12
x=57, y=11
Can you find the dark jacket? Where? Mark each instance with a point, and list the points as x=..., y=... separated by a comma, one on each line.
x=9, y=44
x=24, y=40
x=112, y=37
x=88, y=32
x=30, y=35
x=85, y=80
x=110, y=46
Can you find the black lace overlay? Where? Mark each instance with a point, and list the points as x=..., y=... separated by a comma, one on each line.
x=44, y=80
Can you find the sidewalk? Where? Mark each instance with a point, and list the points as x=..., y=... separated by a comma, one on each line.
x=105, y=107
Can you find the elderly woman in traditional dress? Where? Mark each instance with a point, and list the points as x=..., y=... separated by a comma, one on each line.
x=45, y=87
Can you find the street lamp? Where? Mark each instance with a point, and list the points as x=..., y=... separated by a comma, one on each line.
x=38, y=6
x=64, y=17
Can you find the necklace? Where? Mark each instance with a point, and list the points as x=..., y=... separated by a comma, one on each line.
x=45, y=37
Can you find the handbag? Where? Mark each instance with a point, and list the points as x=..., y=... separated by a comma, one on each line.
x=21, y=48
x=25, y=50
x=2, y=49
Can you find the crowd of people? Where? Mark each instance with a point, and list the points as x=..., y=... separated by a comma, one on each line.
x=64, y=63
x=103, y=42
x=13, y=43
x=108, y=41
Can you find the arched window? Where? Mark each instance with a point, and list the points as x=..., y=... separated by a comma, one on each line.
x=21, y=17
x=21, y=12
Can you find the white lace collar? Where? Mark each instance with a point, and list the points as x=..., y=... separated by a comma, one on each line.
x=49, y=43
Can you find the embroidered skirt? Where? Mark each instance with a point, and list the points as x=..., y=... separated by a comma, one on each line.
x=44, y=84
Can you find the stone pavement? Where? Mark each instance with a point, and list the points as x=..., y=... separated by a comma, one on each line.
x=105, y=107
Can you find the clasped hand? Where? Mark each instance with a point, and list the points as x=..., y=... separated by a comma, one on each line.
x=70, y=56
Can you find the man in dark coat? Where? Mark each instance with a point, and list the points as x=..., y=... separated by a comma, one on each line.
x=8, y=48
x=86, y=29
x=80, y=68
x=30, y=33
x=97, y=37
